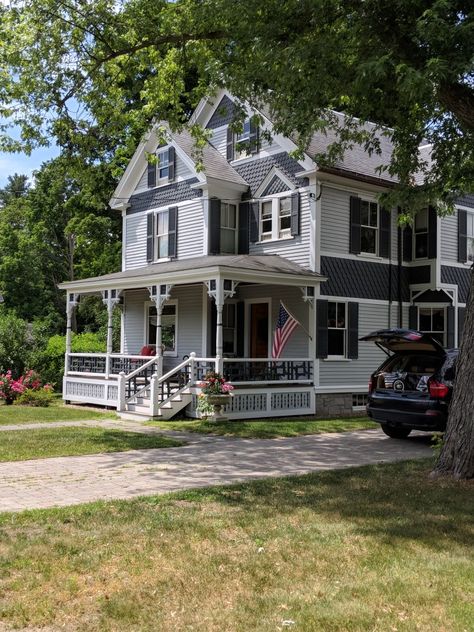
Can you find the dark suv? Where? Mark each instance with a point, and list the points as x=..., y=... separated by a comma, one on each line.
x=412, y=389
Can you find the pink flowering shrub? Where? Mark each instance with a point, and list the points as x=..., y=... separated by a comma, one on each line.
x=11, y=389
x=215, y=384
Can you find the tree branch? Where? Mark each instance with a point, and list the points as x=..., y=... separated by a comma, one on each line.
x=458, y=98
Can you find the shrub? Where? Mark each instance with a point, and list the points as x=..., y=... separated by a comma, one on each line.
x=11, y=389
x=30, y=397
x=16, y=343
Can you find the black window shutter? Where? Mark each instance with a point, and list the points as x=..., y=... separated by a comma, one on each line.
x=254, y=219
x=150, y=237
x=384, y=233
x=321, y=328
x=254, y=137
x=230, y=144
x=295, y=214
x=354, y=243
x=171, y=164
x=151, y=174
x=353, y=331
x=432, y=233
x=407, y=243
x=244, y=208
x=450, y=327
x=173, y=232
x=462, y=236
x=461, y=317
x=214, y=226
x=240, y=323
x=413, y=317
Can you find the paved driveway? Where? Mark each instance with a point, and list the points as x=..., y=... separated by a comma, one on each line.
x=203, y=461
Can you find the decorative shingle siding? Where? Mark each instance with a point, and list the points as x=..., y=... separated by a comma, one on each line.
x=276, y=185
x=457, y=276
x=255, y=171
x=362, y=279
x=182, y=172
x=223, y=114
x=296, y=249
x=466, y=200
x=163, y=196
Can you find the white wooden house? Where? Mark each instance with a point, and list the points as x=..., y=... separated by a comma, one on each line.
x=208, y=255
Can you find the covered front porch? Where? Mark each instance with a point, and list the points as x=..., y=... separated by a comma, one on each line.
x=210, y=313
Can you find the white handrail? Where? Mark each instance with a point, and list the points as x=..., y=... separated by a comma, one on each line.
x=267, y=359
x=176, y=368
x=140, y=368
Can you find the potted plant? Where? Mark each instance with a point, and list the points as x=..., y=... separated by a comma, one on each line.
x=215, y=394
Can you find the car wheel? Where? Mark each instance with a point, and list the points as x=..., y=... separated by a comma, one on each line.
x=396, y=432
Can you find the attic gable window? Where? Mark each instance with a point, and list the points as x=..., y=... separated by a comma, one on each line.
x=244, y=143
x=161, y=169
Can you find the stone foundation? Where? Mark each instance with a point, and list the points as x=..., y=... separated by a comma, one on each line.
x=329, y=405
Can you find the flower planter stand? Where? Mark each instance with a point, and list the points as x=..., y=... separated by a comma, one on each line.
x=218, y=401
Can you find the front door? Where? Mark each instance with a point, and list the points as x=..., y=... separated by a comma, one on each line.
x=259, y=330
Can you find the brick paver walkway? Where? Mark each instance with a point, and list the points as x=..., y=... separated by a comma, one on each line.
x=205, y=460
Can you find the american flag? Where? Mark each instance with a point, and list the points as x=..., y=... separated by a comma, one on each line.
x=286, y=324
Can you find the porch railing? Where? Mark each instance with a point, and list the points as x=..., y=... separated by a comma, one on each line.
x=268, y=370
x=104, y=364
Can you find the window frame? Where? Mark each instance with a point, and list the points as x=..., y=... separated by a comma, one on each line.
x=235, y=229
x=227, y=304
x=156, y=236
x=276, y=233
x=160, y=179
x=424, y=232
x=376, y=228
x=470, y=238
x=151, y=304
x=432, y=331
x=243, y=137
x=331, y=356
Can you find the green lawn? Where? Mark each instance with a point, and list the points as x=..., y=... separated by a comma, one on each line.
x=55, y=412
x=378, y=548
x=268, y=428
x=20, y=445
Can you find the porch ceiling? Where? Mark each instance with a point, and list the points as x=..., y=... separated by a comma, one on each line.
x=269, y=269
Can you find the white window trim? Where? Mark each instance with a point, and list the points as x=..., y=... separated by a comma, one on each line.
x=332, y=358
x=156, y=258
x=275, y=200
x=236, y=229
x=377, y=229
x=148, y=304
x=470, y=212
x=164, y=179
x=433, y=306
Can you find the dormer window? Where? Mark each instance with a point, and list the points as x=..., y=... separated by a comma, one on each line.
x=244, y=143
x=161, y=171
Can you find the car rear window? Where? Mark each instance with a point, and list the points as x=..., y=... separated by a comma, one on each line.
x=413, y=370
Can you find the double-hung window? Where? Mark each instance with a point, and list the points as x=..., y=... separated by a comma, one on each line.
x=470, y=236
x=163, y=164
x=242, y=141
x=228, y=228
x=420, y=229
x=162, y=235
x=168, y=327
x=432, y=320
x=369, y=226
x=275, y=218
x=337, y=329
x=229, y=329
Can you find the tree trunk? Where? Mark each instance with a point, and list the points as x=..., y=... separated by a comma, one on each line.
x=457, y=455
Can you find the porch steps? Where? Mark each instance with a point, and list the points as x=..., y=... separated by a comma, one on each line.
x=140, y=408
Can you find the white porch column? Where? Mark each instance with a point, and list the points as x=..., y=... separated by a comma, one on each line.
x=220, y=289
x=309, y=293
x=110, y=298
x=72, y=301
x=159, y=294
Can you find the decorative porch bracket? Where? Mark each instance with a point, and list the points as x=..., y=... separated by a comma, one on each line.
x=72, y=303
x=220, y=290
x=110, y=299
x=159, y=294
x=308, y=294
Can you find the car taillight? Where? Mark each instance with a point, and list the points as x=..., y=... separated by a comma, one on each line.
x=437, y=390
x=371, y=384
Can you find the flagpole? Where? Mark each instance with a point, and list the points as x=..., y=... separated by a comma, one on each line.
x=303, y=328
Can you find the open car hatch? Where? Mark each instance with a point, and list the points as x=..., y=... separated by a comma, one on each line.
x=399, y=340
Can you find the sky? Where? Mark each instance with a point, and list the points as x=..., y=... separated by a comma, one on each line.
x=22, y=164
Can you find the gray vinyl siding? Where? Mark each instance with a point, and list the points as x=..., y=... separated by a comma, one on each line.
x=357, y=372
x=296, y=249
x=190, y=234
x=449, y=238
x=189, y=300
x=298, y=344
x=134, y=320
x=335, y=220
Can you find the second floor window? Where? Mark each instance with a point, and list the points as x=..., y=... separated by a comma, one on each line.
x=275, y=218
x=420, y=233
x=369, y=226
x=266, y=221
x=162, y=229
x=163, y=164
x=228, y=228
x=431, y=320
x=336, y=329
x=470, y=236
